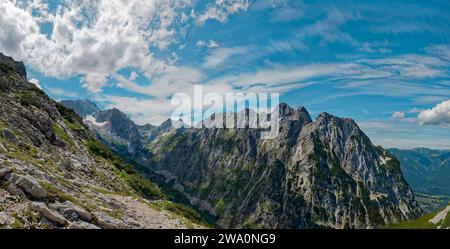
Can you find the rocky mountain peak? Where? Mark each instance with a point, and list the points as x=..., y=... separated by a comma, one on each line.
x=325, y=173
x=299, y=114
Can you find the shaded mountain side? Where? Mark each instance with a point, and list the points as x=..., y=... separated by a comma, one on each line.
x=55, y=174
x=322, y=173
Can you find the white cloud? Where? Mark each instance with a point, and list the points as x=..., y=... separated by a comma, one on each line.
x=410, y=65
x=393, y=134
x=94, y=82
x=221, y=9
x=220, y=55
x=60, y=92
x=440, y=114
x=398, y=115
x=93, y=39
x=287, y=11
x=36, y=83
x=285, y=76
x=209, y=44
x=133, y=76
x=441, y=50
x=415, y=110
x=375, y=47
x=142, y=111
x=328, y=28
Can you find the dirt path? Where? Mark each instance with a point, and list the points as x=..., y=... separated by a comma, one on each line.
x=148, y=217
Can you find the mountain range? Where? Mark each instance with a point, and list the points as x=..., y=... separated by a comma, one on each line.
x=73, y=165
x=322, y=173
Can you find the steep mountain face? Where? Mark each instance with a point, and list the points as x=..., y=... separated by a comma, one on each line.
x=428, y=173
x=55, y=174
x=324, y=173
x=114, y=129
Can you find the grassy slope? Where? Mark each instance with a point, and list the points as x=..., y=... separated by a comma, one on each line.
x=422, y=223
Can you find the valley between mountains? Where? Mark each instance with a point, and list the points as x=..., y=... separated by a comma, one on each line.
x=69, y=164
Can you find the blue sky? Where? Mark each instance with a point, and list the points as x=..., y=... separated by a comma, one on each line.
x=385, y=64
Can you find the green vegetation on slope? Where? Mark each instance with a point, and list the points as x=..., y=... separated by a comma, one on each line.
x=136, y=181
x=143, y=186
x=422, y=223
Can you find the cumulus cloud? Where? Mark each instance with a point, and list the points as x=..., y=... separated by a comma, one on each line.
x=398, y=115
x=93, y=39
x=96, y=39
x=36, y=83
x=438, y=115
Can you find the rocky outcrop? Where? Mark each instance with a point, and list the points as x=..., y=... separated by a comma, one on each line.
x=49, y=214
x=29, y=185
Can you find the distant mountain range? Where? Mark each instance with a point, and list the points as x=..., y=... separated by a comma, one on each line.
x=322, y=173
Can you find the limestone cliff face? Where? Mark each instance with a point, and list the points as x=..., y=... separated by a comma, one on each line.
x=324, y=173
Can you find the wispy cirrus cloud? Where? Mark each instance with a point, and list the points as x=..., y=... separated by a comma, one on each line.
x=221, y=55
x=220, y=10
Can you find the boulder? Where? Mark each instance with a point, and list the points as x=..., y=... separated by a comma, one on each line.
x=71, y=211
x=82, y=213
x=14, y=190
x=9, y=135
x=4, y=172
x=53, y=216
x=29, y=185
x=107, y=222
